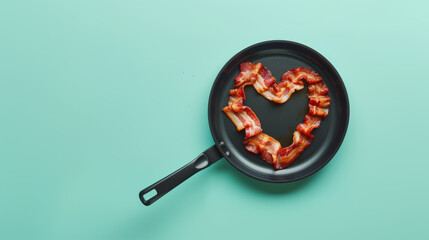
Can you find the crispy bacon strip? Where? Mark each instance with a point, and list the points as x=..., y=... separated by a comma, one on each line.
x=262, y=80
x=242, y=116
x=264, y=144
x=248, y=74
x=287, y=155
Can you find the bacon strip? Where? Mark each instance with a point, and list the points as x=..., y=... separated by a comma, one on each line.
x=248, y=74
x=287, y=155
x=264, y=144
x=242, y=116
x=262, y=80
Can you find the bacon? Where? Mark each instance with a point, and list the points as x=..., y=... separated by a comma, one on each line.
x=264, y=144
x=264, y=80
x=286, y=156
x=242, y=116
x=310, y=122
x=248, y=74
x=297, y=74
x=244, y=119
x=236, y=98
x=317, y=89
x=264, y=83
x=291, y=82
x=317, y=111
x=320, y=101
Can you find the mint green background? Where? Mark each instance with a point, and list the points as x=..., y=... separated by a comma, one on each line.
x=100, y=99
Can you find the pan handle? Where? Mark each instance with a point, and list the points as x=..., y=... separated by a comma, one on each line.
x=163, y=186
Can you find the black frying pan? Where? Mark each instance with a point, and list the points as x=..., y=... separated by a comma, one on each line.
x=277, y=120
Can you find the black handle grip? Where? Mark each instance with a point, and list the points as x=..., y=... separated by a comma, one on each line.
x=163, y=186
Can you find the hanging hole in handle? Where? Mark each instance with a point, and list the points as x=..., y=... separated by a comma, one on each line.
x=152, y=193
x=201, y=162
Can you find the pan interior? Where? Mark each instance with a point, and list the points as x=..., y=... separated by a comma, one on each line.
x=279, y=120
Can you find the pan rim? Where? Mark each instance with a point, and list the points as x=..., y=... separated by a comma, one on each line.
x=339, y=81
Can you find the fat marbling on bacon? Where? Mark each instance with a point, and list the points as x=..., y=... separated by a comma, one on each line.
x=265, y=84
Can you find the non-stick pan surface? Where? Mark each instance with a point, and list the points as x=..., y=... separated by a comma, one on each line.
x=279, y=120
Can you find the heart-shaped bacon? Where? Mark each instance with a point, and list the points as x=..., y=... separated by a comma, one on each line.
x=265, y=84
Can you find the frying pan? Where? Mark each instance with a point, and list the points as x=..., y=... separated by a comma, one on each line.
x=277, y=120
